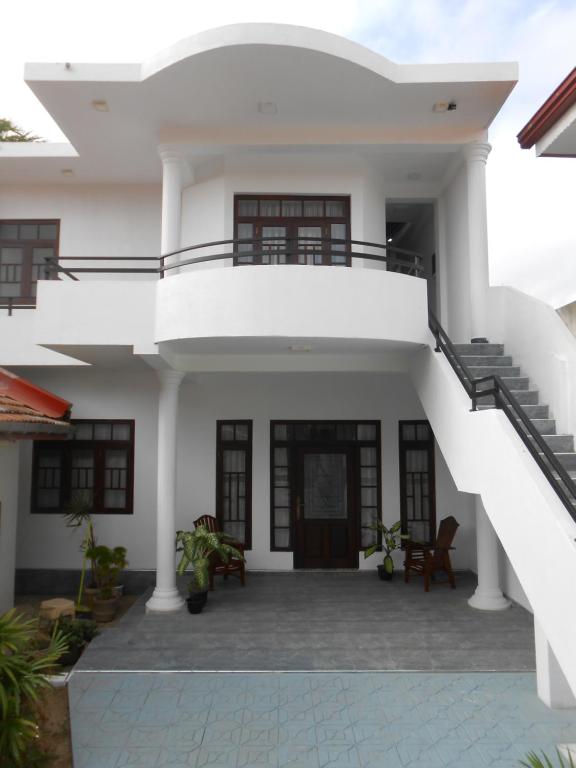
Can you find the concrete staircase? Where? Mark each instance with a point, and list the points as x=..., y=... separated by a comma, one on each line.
x=489, y=360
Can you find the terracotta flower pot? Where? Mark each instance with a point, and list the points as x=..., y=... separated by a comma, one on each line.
x=104, y=610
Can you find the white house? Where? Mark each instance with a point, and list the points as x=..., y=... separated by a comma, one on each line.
x=228, y=272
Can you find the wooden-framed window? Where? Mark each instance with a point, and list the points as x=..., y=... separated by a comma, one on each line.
x=362, y=438
x=95, y=465
x=234, y=479
x=417, y=481
x=291, y=223
x=24, y=247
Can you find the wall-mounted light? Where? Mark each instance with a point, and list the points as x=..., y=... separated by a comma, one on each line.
x=444, y=106
x=100, y=105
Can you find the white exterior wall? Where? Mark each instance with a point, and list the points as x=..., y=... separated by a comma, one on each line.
x=44, y=542
x=9, y=454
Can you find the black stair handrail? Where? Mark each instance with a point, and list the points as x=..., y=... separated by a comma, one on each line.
x=554, y=471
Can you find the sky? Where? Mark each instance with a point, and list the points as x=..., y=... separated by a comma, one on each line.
x=532, y=237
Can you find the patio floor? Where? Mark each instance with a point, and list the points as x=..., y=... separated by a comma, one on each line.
x=321, y=621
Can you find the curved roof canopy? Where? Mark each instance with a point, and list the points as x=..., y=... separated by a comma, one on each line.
x=254, y=85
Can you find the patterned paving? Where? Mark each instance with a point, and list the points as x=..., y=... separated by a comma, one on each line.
x=310, y=720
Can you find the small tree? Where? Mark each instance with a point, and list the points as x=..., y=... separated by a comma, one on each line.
x=9, y=131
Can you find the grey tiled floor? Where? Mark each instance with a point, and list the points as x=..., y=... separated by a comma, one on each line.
x=321, y=621
x=310, y=720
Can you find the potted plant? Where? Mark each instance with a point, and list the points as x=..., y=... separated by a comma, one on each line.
x=391, y=540
x=108, y=564
x=78, y=635
x=196, y=547
x=78, y=513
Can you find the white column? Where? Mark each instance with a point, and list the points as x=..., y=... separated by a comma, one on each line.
x=476, y=154
x=552, y=686
x=166, y=596
x=488, y=595
x=171, y=201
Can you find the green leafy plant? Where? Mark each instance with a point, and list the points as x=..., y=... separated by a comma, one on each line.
x=535, y=761
x=78, y=513
x=9, y=131
x=108, y=565
x=79, y=632
x=196, y=547
x=23, y=670
x=391, y=540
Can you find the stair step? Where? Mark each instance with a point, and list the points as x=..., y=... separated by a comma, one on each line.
x=524, y=397
x=536, y=411
x=479, y=349
x=544, y=426
x=559, y=443
x=472, y=360
x=505, y=371
x=568, y=460
x=514, y=383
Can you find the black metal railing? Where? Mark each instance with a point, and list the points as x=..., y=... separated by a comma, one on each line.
x=493, y=386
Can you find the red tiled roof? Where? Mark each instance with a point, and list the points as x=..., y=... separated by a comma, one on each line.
x=555, y=106
x=26, y=411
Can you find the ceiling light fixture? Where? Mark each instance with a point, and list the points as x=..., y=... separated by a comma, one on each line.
x=444, y=106
x=267, y=108
x=100, y=105
x=300, y=348
x=67, y=172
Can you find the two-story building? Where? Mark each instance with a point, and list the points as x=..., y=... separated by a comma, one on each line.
x=228, y=270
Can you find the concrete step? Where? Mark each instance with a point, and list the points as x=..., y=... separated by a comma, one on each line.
x=508, y=371
x=559, y=443
x=479, y=349
x=537, y=411
x=514, y=383
x=482, y=360
x=524, y=397
x=568, y=460
x=544, y=426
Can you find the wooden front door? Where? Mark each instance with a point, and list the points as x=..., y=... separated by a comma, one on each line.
x=325, y=520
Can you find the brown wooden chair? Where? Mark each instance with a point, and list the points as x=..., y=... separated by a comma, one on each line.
x=217, y=566
x=427, y=560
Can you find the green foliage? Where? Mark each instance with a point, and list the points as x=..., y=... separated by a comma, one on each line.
x=534, y=761
x=108, y=564
x=391, y=540
x=78, y=632
x=22, y=679
x=197, y=546
x=78, y=513
x=11, y=132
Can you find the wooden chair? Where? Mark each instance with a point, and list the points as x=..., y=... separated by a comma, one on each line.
x=217, y=566
x=427, y=560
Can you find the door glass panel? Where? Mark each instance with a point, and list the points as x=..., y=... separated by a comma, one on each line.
x=9, y=231
x=335, y=208
x=47, y=231
x=269, y=207
x=40, y=268
x=291, y=208
x=338, y=232
x=314, y=208
x=11, y=271
x=29, y=231
x=248, y=207
x=271, y=247
x=245, y=232
x=325, y=486
x=309, y=251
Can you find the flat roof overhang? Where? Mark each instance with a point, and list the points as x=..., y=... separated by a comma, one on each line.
x=210, y=88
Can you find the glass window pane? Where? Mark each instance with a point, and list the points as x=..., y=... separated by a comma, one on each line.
x=281, y=476
x=408, y=432
x=346, y=432
x=269, y=207
x=368, y=476
x=335, y=208
x=325, y=486
x=10, y=290
x=234, y=461
x=368, y=537
x=11, y=255
x=9, y=231
x=281, y=497
x=245, y=232
x=282, y=518
x=368, y=457
x=302, y=431
x=423, y=432
x=114, y=499
x=121, y=431
x=291, y=208
x=282, y=538
x=281, y=456
x=48, y=499
x=83, y=431
x=241, y=431
x=314, y=208
x=227, y=431
x=369, y=497
x=247, y=207
x=280, y=431
x=29, y=231
x=39, y=255
x=103, y=431
x=47, y=231
x=235, y=529
x=367, y=432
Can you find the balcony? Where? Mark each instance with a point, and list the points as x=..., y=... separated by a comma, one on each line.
x=238, y=297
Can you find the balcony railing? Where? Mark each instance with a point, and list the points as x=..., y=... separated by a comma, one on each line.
x=310, y=251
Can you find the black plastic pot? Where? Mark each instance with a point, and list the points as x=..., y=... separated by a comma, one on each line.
x=196, y=601
x=383, y=573
x=71, y=656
